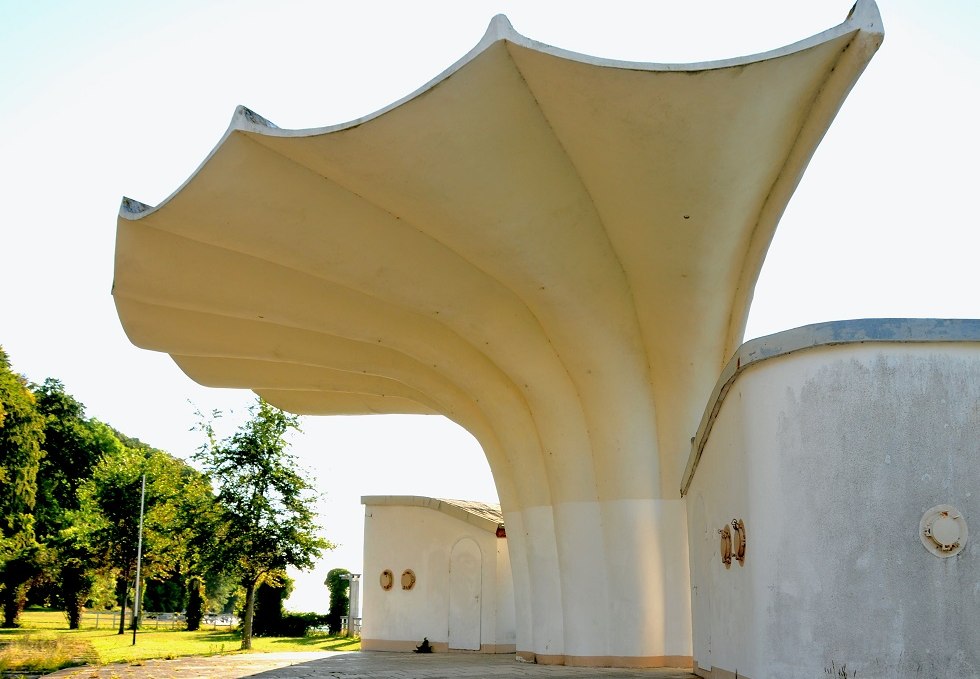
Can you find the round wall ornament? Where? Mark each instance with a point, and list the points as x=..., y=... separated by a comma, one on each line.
x=943, y=531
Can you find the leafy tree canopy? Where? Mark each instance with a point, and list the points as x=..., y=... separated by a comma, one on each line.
x=266, y=519
x=21, y=436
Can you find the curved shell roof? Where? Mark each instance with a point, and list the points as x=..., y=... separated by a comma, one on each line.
x=556, y=251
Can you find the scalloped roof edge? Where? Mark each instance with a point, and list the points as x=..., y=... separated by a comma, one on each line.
x=864, y=16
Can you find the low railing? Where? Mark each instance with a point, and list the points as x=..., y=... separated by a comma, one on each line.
x=350, y=630
x=108, y=620
x=148, y=620
x=217, y=620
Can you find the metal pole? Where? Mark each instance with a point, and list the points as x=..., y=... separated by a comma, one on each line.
x=139, y=559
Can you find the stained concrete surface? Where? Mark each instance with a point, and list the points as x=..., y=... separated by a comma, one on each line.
x=361, y=665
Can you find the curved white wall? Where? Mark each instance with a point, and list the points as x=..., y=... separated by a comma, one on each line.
x=399, y=537
x=831, y=455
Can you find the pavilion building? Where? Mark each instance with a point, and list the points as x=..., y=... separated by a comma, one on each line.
x=555, y=251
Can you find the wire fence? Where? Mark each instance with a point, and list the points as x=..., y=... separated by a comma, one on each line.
x=110, y=620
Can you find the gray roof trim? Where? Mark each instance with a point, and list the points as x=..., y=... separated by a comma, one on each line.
x=482, y=515
x=859, y=331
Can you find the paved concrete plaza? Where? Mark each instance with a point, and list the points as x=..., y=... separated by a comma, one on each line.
x=364, y=665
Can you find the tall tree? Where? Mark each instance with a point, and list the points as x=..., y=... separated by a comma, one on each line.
x=188, y=515
x=109, y=509
x=70, y=453
x=110, y=513
x=267, y=522
x=195, y=534
x=72, y=447
x=21, y=436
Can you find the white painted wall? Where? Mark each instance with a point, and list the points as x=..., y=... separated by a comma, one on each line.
x=422, y=539
x=633, y=606
x=830, y=456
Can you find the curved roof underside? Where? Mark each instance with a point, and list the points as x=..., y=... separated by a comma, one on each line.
x=556, y=251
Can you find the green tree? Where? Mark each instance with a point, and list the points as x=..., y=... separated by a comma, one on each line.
x=70, y=452
x=339, y=597
x=109, y=515
x=266, y=522
x=21, y=436
x=195, y=531
x=72, y=447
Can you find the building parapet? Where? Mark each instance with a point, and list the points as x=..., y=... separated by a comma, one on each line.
x=857, y=331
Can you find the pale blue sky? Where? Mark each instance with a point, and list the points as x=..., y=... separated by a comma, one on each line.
x=104, y=99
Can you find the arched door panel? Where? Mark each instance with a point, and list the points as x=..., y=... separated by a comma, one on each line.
x=465, y=593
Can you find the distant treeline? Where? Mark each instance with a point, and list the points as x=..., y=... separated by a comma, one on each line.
x=70, y=489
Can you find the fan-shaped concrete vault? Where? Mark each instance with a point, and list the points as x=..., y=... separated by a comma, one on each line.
x=553, y=250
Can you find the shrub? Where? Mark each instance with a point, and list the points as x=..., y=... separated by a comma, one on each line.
x=297, y=624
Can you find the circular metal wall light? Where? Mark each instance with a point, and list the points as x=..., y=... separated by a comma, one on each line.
x=943, y=531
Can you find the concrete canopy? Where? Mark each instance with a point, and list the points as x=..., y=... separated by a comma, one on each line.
x=556, y=251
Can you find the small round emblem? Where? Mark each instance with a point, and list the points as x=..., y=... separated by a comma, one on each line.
x=943, y=531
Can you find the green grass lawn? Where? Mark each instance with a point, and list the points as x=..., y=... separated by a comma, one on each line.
x=44, y=643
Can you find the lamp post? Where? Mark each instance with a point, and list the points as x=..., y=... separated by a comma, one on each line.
x=354, y=606
x=139, y=562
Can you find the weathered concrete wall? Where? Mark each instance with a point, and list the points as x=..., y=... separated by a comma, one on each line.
x=422, y=539
x=831, y=455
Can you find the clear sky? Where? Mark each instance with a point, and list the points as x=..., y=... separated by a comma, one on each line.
x=104, y=99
